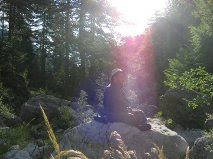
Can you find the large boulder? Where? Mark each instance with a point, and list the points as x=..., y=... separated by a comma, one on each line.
x=174, y=105
x=31, y=109
x=190, y=135
x=37, y=152
x=92, y=139
x=15, y=153
x=200, y=148
x=61, y=110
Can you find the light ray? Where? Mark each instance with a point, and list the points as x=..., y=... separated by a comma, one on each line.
x=136, y=14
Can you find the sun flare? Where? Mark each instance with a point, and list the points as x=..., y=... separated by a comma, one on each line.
x=136, y=14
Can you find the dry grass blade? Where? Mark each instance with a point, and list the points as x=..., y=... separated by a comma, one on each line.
x=160, y=152
x=187, y=153
x=50, y=131
x=72, y=153
x=51, y=157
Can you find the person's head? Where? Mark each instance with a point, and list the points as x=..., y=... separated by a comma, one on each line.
x=117, y=77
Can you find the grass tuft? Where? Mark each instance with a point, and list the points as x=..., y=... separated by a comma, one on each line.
x=59, y=154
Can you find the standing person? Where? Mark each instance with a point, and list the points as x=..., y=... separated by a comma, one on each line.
x=116, y=105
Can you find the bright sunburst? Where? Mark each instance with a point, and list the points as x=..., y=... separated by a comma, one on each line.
x=136, y=14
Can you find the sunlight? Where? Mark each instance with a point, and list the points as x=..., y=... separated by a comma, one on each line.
x=136, y=14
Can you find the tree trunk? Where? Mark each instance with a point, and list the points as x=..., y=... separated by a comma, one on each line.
x=2, y=27
x=67, y=43
x=11, y=19
x=81, y=44
x=43, y=51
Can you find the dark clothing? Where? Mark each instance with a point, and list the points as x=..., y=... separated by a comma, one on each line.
x=116, y=108
x=115, y=101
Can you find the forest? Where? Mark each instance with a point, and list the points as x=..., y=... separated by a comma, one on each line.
x=59, y=54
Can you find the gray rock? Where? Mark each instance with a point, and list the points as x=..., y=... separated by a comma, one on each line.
x=52, y=105
x=37, y=152
x=31, y=109
x=190, y=135
x=92, y=139
x=33, y=150
x=46, y=151
x=14, y=147
x=200, y=149
x=17, y=154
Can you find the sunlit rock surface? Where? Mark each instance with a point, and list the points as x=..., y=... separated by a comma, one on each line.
x=92, y=139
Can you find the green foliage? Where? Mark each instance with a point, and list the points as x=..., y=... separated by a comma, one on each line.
x=195, y=79
x=36, y=92
x=6, y=112
x=202, y=34
x=82, y=100
x=209, y=116
x=52, y=137
x=15, y=136
x=102, y=82
x=166, y=120
x=191, y=69
x=61, y=42
x=3, y=91
x=191, y=109
x=66, y=119
x=170, y=33
x=209, y=146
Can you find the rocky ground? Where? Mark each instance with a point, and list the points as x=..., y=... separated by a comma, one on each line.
x=97, y=139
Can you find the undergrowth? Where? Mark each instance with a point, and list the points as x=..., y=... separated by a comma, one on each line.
x=14, y=136
x=59, y=153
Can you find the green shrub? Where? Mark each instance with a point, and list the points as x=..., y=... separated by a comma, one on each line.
x=166, y=120
x=101, y=82
x=209, y=116
x=36, y=92
x=196, y=95
x=196, y=80
x=53, y=139
x=5, y=111
x=99, y=96
x=66, y=119
x=82, y=100
x=8, y=96
x=15, y=136
x=209, y=145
